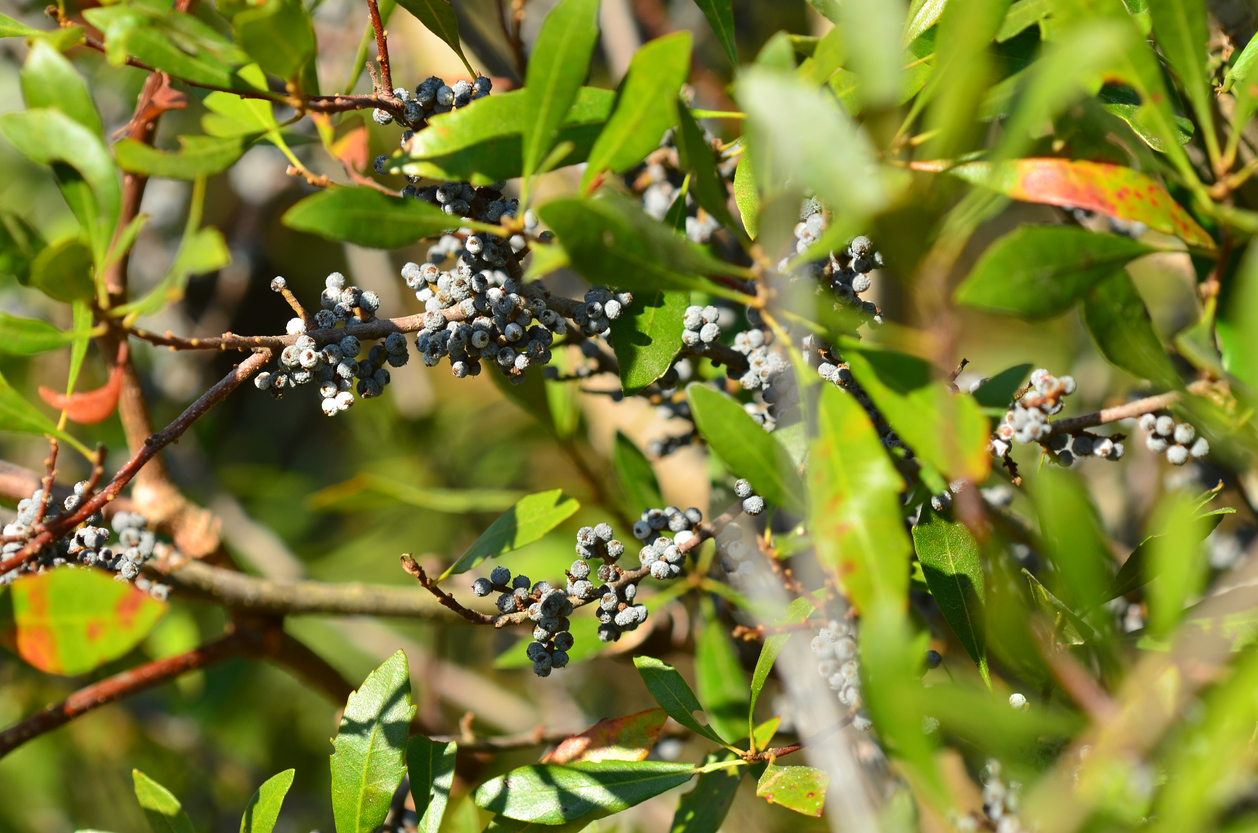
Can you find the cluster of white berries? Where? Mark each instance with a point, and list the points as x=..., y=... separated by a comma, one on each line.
x=434, y=96
x=846, y=273
x=658, y=179
x=662, y=555
x=838, y=662
x=702, y=327
x=1179, y=441
x=1027, y=421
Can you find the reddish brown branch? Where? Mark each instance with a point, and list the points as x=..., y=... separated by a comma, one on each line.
x=410, y=565
x=1130, y=410
x=382, y=47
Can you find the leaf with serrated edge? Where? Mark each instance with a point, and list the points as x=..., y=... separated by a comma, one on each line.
x=628, y=738
x=164, y=812
x=674, y=696
x=264, y=808
x=798, y=788
x=552, y=794
x=527, y=521
x=430, y=765
x=954, y=574
x=370, y=757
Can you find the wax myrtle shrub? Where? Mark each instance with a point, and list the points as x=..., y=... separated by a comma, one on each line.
x=741, y=443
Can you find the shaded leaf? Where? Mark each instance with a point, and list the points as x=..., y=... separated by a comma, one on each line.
x=50, y=80
x=556, y=68
x=29, y=336
x=63, y=271
x=703, y=809
x=628, y=738
x=20, y=242
x=21, y=417
x=998, y=391
x=430, y=765
x=72, y=621
x=634, y=474
x=197, y=156
x=370, y=743
x=278, y=34
x=610, y=240
x=855, y=504
x=527, y=521
x=1067, y=625
x=368, y=488
x=1071, y=531
x=1113, y=190
x=796, y=612
x=1116, y=317
x=482, y=143
x=1124, y=103
x=697, y=157
x=798, y=788
x=1037, y=272
x=745, y=447
x=954, y=574
x=263, y=808
x=721, y=680
x=1237, y=324
x=176, y=43
x=552, y=794
x=647, y=337
x=1181, y=32
x=646, y=106
x=720, y=15
x=1022, y=16
x=1136, y=571
x=873, y=35
x=674, y=696
x=368, y=218
x=439, y=18
x=164, y=812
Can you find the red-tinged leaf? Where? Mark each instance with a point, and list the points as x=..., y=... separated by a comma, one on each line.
x=352, y=148
x=1097, y=186
x=798, y=788
x=628, y=738
x=91, y=406
x=70, y=621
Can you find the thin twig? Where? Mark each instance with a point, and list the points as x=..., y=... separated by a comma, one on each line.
x=50, y=477
x=1139, y=407
x=410, y=565
x=382, y=47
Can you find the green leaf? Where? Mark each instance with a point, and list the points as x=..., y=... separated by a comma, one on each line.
x=954, y=574
x=10, y=28
x=72, y=621
x=647, y=337
x=796, y=612
x=747, y=195
x=829, y=9
x=370, y=756
x=197, y=156
x=431, y=767
x=1181, y=31
x=20, y=242
x=50, y=80
x=1136, y=570
x=175, y=43
x=922, y=15
x=439, y=18
x=263, y=809
x=1022, y=16
x=482, y=143
x=720, y=15
x=610, y=240
x=82, y=315
x=164, y=812
x=1237, y=322
x=1241, y=68
x=30, y=336
x=368, y=218
x=703, y=809
x=873, y=35
x=1072, y=537
x=232, y=115
x=366, y=489
x=1125, y=104
x=21, y=417
x=634, y=474
x=553, y=794
x=527, y=521
x=1176, y=562
x=944, y=429
x=1068, y=627
x=50, y=137
x=1120, y=325
x=558, y=64
x=278, y=34
x=674, y=696
x=855, y=515
x=721, y=679
x=798, y=134
x=745, y=447
x=1037, y=272
x=63, y=271
x=697, y=157
x=646, y=106
x=798, y=788
x=998, y=391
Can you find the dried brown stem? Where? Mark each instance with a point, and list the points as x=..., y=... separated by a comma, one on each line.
x=50, y=477
x=410, y=565
x=1139, y=407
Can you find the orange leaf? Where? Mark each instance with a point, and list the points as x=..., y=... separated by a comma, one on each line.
x=1114, y=190
x=91, y=406
x=628, y=738
x=352, y=149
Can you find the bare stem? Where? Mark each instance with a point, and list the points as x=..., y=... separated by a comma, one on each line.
x=1140, y=407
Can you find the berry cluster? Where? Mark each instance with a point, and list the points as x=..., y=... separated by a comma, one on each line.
x=1179, y=441
x=1027, y=421
x=845, y=274
x=594, y=542
x=662, y=555
x=753, y=504
x=702, y=327
x=617, y=612
x=659, y=179
x=1000, y=802
x=548, y=608
x=1071, y=448
x=434, y=96
x=87, y=544
x=765, y=366
x=838, y=661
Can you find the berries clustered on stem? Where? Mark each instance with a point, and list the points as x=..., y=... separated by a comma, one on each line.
x=845, y=274
x=1027, y=422
x=1178, y=440
x=87, y=545
x=548, y=608
x=753, y=504
x=433, y=97
x=838, y=662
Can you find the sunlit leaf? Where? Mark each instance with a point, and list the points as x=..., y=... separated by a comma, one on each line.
x=798, y=788
x=628, y=738
x=530, y=519
x=634, y=474
x=368, y=218
x=673, y=694
x=263, y=808
x=278, y=34
x=164, y=812
x=29, y=336
x=558, y=65
x=197, y=156
x=50, y=80
x=552, y=794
